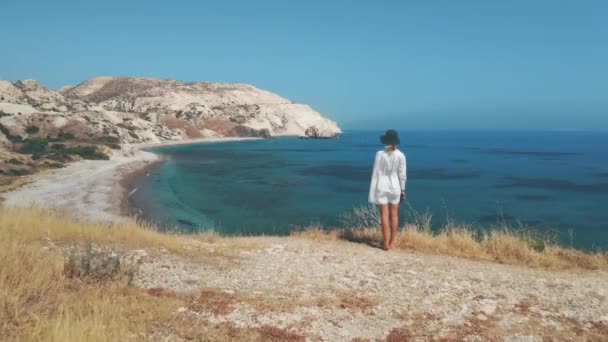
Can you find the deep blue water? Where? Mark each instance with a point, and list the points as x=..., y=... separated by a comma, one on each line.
x=554, y=182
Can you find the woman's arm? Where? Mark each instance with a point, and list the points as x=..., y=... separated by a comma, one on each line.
x=374, y=180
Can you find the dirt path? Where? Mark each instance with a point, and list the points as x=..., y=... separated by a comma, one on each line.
x=340, y=291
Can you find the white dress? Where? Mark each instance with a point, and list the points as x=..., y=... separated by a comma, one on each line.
x=388, y=177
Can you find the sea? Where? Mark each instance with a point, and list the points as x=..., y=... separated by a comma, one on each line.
x=554, y=183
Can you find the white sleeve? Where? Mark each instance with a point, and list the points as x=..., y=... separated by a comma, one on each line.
x=403, y=173
x=374, y=181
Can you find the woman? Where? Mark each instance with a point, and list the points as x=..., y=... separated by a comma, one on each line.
x=387, y=187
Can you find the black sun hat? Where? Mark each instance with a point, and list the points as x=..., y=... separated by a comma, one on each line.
x=391, y=137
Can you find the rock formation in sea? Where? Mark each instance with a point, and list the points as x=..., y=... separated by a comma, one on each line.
x=313, y=132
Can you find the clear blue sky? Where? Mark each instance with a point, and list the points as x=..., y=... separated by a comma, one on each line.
x=368, y=64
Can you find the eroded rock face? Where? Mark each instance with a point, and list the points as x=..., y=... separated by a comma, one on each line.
x=244, y=131
x=153, y=110
x=200, y=102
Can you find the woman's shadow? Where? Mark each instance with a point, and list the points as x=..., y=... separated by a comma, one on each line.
x=351, y=236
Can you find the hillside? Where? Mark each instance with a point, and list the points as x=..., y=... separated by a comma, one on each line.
x=68, y=280
x=105, y=113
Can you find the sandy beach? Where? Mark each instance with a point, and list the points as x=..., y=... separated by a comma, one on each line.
x=92, y=189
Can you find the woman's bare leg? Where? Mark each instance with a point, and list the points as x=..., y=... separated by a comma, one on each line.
x=384, y=219
x=394, y=224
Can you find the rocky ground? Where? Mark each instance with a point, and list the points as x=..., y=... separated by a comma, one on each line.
x=296, y=289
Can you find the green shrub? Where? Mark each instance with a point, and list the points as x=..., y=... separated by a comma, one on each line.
x=32, y=129
x=65, y=136
x=113, y=146
x=95, y=265
x=15, y=161
x=55, y=165
x=108, y=139
x=62, y=137
x=126, y=126
x=2, y=114
x=34, y=146
x=60, y=156
x=88, y=152
x=9, y=136
x=19, y=172
x=60, y=152
x=4, y=130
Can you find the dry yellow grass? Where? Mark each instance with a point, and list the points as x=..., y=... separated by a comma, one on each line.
x=504, y=245
x=33, y=224
x=40, y=303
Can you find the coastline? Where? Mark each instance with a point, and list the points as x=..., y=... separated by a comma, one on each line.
x=95, y=190
x=127, y=208
x=140, y=146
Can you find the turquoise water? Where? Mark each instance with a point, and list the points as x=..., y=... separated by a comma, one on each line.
x=554, y=182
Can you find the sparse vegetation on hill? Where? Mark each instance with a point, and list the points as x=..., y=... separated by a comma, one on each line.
x=110, y=141
x=87, y=152
x=10, y=182
x=136, y=113
x=20, y=172
x=15, y=161
x=9, y=135
x=32, y=129
x=38, y=148
x=45, y=298
x=107, y=139
x=503, y=245
x=62, y=136
x=67, y=280
x=111, y=111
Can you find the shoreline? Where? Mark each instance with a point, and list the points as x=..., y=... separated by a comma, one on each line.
x=141, y=146
x=92, y=189
x=126, y=183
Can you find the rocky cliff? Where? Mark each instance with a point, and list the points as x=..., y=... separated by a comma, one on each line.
x=152, y=110
x=112, y=111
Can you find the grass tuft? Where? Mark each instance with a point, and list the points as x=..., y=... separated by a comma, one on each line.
x=98, y=266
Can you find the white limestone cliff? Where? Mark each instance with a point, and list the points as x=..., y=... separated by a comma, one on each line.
x=135, y=109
